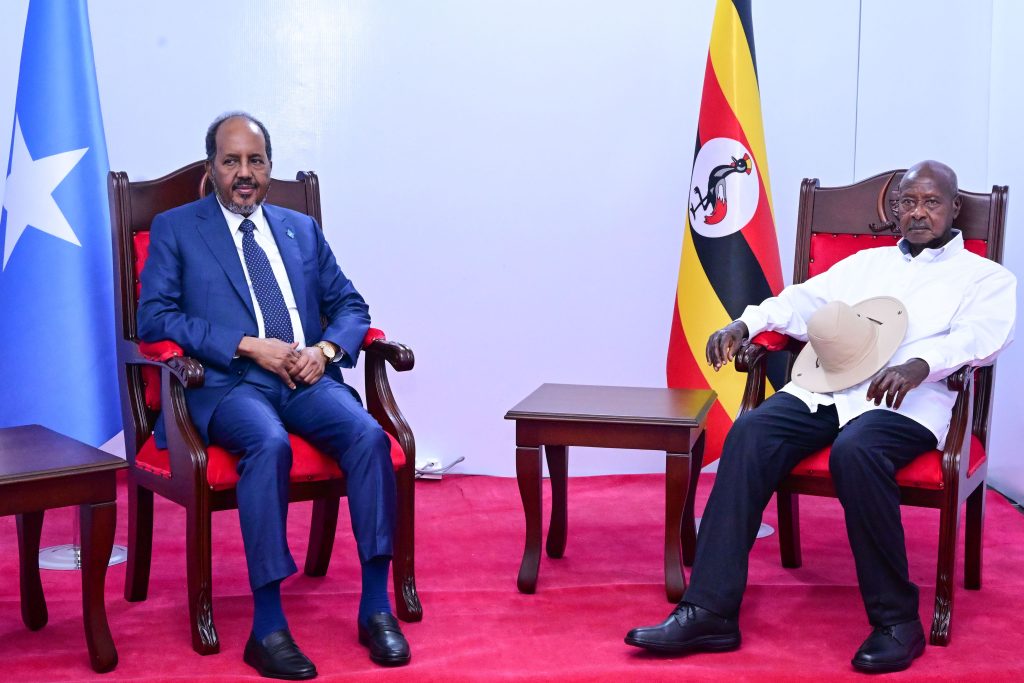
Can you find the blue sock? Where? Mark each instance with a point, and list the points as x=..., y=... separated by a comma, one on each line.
x=268, y=613
x=375, y=588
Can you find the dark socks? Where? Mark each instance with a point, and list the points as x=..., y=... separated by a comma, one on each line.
x=375, y=588
x=268, y=613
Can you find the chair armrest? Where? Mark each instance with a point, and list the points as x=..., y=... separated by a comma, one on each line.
x=959, y=380
x=399, y=356
x=187, y=370
x=752, y=359
x=380, y=400
x=956, y=451
x=177, y=372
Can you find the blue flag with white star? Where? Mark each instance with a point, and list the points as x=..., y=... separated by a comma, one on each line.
x=57, y=353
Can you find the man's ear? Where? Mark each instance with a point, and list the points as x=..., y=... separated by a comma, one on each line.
x=957, y=202
x=208, y=178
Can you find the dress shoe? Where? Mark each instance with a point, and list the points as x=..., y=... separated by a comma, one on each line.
x=388, y=646
x=890, y=648
x=688, y=629
x=277, y=656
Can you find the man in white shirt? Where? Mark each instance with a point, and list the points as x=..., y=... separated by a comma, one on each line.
x=961, y=310
x=243, y=286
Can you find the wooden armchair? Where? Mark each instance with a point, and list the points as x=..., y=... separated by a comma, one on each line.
x=832, y=224
x=202, y=479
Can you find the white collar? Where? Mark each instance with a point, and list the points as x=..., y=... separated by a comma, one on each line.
x=949, y=249
x=234, y=220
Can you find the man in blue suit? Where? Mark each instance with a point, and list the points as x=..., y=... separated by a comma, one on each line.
x=242, y=286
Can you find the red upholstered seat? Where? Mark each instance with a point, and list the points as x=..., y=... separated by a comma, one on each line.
x=924, y=472
x=308, y=464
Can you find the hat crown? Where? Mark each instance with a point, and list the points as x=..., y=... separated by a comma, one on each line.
x=840, y=336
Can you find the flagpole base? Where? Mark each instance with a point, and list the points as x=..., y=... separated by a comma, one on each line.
x=764, y=531
x=68, y=557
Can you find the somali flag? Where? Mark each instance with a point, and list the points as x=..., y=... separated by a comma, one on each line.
x=57, y=335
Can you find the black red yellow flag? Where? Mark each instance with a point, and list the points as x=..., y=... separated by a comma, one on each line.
x=730, y=253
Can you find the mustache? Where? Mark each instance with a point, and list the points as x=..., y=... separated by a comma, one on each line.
x=248, y=184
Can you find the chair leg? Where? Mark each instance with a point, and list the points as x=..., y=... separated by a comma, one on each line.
x=949, y=521
x=198, y=560
x=788, y=505
x=140, y=541
x=974, y=528
x=321, y=535
x=407, y=600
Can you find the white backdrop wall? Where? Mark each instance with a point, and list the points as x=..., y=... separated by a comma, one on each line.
x=506, y=182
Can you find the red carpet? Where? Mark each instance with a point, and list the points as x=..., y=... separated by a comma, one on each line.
x=799, y=624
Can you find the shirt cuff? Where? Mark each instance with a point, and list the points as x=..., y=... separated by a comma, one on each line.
x=936, y=366
x=755, y=320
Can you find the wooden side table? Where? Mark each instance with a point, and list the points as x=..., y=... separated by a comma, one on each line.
x=557, y=416
x=40, y=469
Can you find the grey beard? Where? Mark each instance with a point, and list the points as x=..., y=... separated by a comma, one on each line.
x=241, y=209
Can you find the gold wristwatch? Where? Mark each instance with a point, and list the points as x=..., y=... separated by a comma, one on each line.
x=327, y=348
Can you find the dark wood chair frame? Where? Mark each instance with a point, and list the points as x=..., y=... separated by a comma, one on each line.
x=132, y=208
x=866, y=209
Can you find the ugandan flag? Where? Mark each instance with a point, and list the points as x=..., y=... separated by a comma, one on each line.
x=730, y=253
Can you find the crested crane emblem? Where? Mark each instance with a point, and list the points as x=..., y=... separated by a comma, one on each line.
x=726, y=193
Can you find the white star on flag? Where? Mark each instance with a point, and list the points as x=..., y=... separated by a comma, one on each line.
x=28, y=196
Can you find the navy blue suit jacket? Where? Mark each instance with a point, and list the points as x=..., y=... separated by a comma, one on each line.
x=194, y=293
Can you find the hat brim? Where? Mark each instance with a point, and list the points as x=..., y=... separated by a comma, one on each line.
x=809, y=374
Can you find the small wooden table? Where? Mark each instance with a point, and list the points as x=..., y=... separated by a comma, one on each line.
x=557, y=416
x=40, y=469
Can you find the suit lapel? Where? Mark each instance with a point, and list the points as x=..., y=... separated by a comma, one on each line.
x=212, y=227
x=284, y=235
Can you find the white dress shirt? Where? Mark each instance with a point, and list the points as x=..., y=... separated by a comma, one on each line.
x=960, y=306
x=266, y=240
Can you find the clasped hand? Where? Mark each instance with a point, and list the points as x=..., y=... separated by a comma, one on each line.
x=285, y=360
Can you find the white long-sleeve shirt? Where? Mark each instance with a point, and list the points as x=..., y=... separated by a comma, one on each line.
x=961, y=310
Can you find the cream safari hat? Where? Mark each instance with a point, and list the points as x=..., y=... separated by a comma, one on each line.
x=848, y=344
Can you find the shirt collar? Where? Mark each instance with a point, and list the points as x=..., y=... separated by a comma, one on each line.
x=234, y=220
x=950, y=248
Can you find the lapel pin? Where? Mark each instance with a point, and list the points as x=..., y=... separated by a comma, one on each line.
x=290, y=233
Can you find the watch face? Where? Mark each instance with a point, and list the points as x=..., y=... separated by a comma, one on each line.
x=327, y=349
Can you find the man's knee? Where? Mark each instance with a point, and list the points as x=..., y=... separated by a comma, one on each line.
x=273, y=450
x=746, y=431
x=851, y=457
x=369, y=441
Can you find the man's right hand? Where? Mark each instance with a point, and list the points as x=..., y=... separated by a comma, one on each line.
x=723, y=344
x=271, y=354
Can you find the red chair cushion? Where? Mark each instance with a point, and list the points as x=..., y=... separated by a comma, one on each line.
x=924, y=472
x=308, y=464
x=827, y=249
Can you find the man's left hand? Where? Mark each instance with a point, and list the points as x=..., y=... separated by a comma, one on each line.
x=893, y=383
x=308, y=368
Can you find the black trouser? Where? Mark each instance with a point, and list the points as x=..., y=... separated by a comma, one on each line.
x=761, y=449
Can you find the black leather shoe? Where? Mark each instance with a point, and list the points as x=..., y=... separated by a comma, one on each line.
x=688, y=629
x=388, y=646
x=890, y=648
x=277, y=656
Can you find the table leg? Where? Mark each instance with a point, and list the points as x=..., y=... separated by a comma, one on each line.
x=33, y=604
x=528, y=471
x=558, y=468
x=97, y=524
x=677, y=485
x=689, y=527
